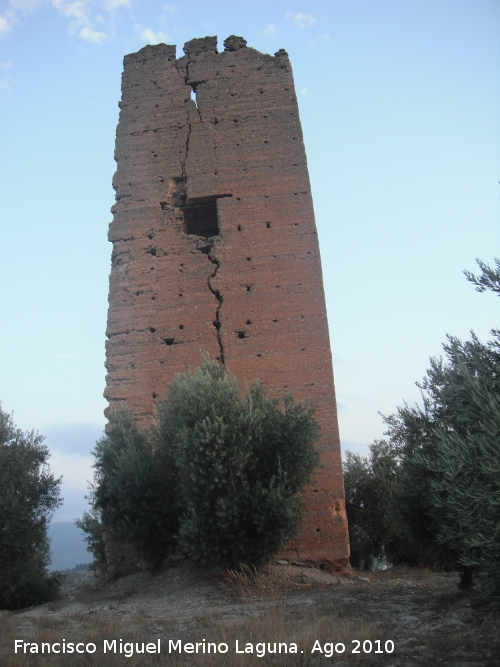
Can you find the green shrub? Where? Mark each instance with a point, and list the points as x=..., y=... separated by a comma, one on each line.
x=219, y=474
x=242, y=463
x=134, y=491
x=29, y=494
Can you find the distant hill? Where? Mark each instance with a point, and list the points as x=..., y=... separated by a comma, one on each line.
x=67, y=545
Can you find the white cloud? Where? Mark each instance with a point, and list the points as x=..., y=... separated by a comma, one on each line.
x=4, y=85
x=320, y=39
x=5, y=26
x=75, y=10
x=92, y=36
x=150, y=36
x=269, y=30
x=80, y=22
x=303, y=91
x=83, y=15
x=6, y=65
x=14, y=10
x=302, y=20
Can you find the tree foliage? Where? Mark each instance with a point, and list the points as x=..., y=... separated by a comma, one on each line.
x=218, y=475
x=133, y=492
x=93, y=529
x=444, y=509
x=29, y=494
x=489, y=278
x=371, y=484
x=242, y=464
x=465, y=492
x=456, y=394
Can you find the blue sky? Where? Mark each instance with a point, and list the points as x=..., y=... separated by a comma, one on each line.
x=399, y=102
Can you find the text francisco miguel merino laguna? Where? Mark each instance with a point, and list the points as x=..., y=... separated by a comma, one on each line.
x=128, y=649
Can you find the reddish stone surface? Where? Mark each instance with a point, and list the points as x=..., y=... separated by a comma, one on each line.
x=215, y=248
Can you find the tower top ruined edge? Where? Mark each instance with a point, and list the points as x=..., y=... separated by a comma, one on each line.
x=195, y=47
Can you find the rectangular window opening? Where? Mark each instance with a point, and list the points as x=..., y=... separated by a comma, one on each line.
x=201, y=219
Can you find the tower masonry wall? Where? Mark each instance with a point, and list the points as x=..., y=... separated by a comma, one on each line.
x=215, y=248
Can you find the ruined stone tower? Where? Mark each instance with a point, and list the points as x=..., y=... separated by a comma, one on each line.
x=215, y=247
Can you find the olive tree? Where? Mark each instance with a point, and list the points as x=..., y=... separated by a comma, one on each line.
x=218, y=475
x=29, y=494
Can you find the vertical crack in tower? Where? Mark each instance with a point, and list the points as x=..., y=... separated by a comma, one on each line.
x=217, y=323
x=206, y=247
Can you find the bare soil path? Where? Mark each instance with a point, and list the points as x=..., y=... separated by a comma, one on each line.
x=396, y=618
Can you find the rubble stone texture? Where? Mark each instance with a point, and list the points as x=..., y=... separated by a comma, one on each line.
x=215, y=248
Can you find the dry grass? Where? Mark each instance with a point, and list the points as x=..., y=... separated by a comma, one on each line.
x=429, y=620
x=277, y=624
x=267, y=584
x=279, y=627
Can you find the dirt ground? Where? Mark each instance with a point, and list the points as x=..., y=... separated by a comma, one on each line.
x=399, y=617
